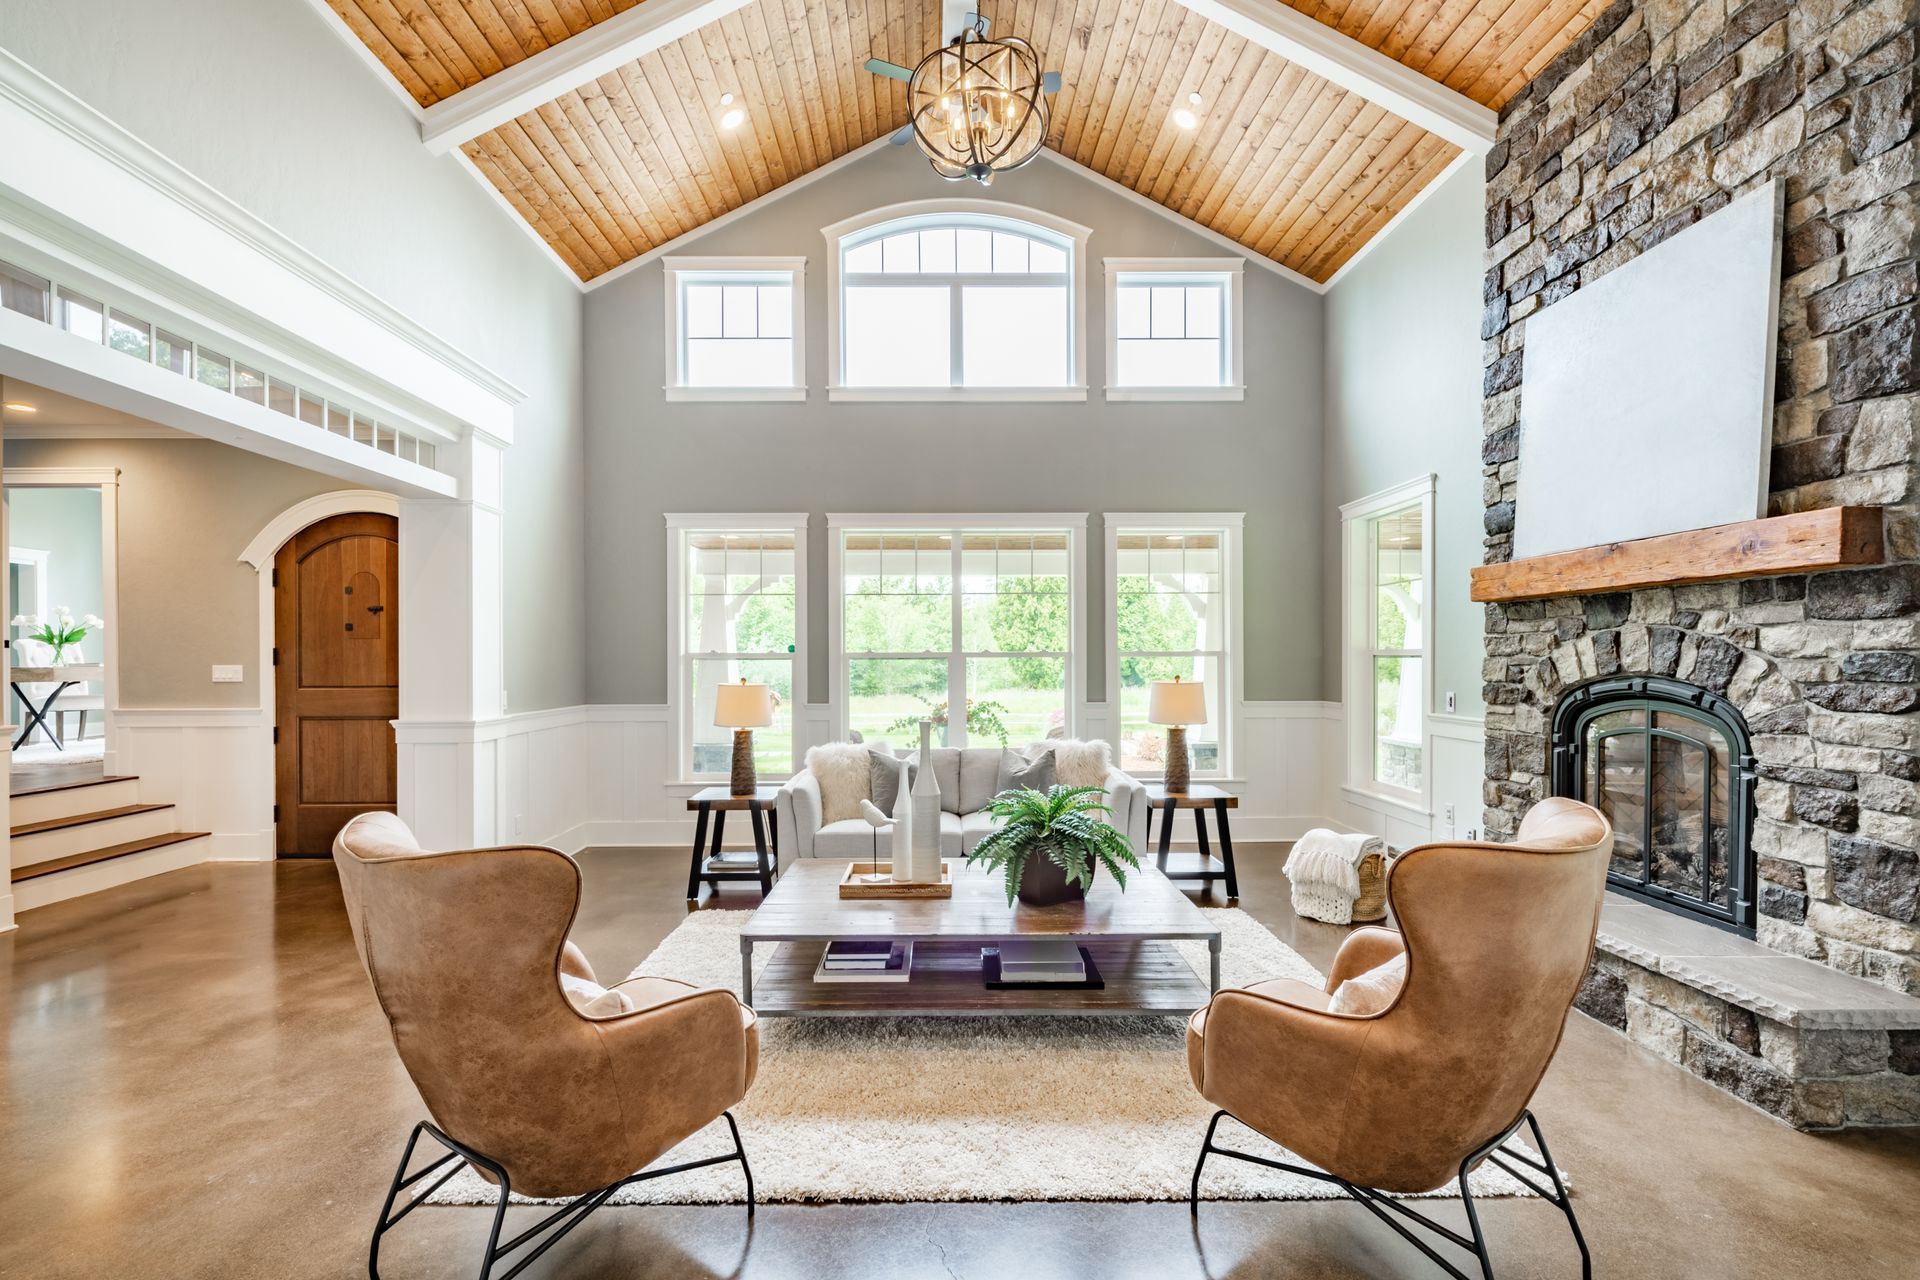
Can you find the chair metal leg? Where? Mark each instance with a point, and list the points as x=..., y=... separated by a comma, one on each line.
x=1378, y=1203
x=552, y=1227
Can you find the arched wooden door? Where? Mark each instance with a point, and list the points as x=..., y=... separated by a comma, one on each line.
x=337, y=678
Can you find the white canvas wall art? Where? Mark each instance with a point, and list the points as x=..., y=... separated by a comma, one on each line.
x=1646, y=397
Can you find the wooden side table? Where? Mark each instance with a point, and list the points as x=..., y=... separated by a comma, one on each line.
x=1200, y=798
x=708, y=864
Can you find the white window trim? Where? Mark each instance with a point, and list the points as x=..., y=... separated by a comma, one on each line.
x=678, y=695
x=676, y=391
x=1074, y=524
x=989, y=210
x=1233, y=664
x=1356, y=646
x=1232, y=269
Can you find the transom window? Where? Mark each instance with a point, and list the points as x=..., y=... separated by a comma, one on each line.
x=956, y=303
x=740, y=595
x=936, y=618
x=1175, y=599
x=1174, y=326
x=734, y=329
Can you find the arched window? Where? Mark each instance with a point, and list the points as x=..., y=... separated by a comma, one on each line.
x=957, y=300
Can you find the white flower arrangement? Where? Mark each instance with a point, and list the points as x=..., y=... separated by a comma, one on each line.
x=59, y=631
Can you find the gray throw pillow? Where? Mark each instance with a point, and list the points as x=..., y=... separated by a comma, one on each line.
x=1018, y=772
x=885, y=778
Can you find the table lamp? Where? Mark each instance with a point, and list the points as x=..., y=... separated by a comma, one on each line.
x=1177, y=704
x=743, y=708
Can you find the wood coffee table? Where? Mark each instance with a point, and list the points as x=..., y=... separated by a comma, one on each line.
x=1129, y=935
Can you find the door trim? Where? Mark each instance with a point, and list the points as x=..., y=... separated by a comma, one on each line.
x=260, y=552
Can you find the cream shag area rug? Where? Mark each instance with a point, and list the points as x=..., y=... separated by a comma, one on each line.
x=995, y=1109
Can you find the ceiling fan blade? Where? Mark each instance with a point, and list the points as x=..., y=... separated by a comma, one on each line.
x=1050, y=82
x=893, y=70
x=901, y=136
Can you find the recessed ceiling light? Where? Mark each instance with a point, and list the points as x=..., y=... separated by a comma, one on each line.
x=1195, y=99
x=21, y=406
x=733, y=118
x=1185, y=118
x=726, y=99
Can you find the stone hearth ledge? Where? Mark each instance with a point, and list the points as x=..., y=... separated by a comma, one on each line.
x=1785, y=989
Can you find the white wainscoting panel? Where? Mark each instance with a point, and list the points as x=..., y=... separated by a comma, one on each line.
x=214, y=764
x=1455, y=763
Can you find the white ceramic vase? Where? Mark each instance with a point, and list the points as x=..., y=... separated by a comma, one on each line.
x=923, y=861
x=902, y=825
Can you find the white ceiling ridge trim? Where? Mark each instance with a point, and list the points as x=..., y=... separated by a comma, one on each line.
x=564, y=67
x=738, y=212
x=1407, y=210
x=1200, y=229
x=1332, y=55
x=41, y=97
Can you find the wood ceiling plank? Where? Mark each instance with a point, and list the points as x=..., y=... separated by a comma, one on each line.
x=1145, y=167
x=524, y=138
x=685, y=63
x=569, y=160
x=1099, y=17
x=665, y=211
x=1279, y=95
x=763, y=111
x=690, y=130
x=1196, y=164
x=792, y=26
x=526, y=30
x=448, y=47
x=644, y=119
x=1314, y=136
x=421, y=54
x=1105, y=81
x=1247, y=190
x=1190, y=47
x=565, y=236
x=1346, y=183
x=476, y=151
x=586, y=108
x=774, y=61
x=860, y=80
x=1141, y=69
x=1429, y=159
x=371, y=35
x=484, y=32
x=1348, y=140
x=1564, y=16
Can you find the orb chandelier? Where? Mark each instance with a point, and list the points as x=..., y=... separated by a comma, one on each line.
x=978, y=107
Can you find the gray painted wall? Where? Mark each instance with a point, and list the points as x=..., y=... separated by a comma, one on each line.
x=1403, y=400
x=645, y=456
x=187, y=510
x=269, y=105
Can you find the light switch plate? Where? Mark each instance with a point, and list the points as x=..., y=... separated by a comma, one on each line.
x=228, y=674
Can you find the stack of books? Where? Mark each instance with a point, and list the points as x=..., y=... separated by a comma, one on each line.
x=1022, y=961
x=848, y=961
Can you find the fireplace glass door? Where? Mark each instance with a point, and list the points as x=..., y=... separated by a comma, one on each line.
x=1674, y=779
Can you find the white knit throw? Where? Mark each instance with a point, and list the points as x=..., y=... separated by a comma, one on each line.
x=1324, y=869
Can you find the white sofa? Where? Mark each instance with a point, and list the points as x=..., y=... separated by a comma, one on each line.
x=968, y=776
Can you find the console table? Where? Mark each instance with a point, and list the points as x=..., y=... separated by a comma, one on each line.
x=62, y=679
x=1200, y=798
x=710, y=864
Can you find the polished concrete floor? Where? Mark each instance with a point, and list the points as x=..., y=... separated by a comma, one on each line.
x=195, y=1082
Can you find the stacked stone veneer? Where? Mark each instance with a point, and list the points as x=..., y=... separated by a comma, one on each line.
x=1661, y=113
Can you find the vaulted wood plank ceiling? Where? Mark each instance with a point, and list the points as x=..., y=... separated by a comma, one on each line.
x=1283, y=162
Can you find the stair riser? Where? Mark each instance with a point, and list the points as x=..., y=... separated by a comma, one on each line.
x=43, y=846
x=48, y=805
x=61, y=885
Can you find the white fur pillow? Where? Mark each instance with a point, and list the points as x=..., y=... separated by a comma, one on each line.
x=1080, y=764
x=1370, y=992
x=594, y=1000
x=845, y=773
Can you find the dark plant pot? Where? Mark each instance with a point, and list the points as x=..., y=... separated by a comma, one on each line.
x=1044, y=884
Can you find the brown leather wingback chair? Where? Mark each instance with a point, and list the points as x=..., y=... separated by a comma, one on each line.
x=465, y=951
x=1497, y=939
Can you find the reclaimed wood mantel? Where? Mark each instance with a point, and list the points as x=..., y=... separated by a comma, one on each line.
x=1830, y=538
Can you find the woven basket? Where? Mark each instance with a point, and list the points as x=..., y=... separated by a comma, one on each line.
x=1372, y=902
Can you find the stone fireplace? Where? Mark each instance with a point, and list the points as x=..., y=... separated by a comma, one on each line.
x=1755, y=740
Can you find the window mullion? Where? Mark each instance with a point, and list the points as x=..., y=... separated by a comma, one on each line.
x=956, y=353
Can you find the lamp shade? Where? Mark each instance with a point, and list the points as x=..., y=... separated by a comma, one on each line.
x=1177, y=702
x=743, y=706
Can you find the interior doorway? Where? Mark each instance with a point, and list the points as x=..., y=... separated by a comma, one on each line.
x=336, y=678
x=62, y=656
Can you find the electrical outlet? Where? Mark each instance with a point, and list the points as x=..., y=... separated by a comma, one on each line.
x=1453, y=702
x=1473, y=833
x=519, y=826
x=228, y=674
x=1449, y=815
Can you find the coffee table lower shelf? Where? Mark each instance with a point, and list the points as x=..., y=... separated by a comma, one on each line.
x=1141, y=978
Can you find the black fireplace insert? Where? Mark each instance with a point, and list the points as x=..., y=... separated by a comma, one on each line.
x=1670, y=765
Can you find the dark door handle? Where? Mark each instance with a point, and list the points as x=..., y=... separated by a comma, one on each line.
x=376, y=608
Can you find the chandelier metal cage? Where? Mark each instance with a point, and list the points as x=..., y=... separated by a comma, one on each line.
x=978, y=106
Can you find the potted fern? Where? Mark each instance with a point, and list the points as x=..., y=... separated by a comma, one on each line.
x=1051, y=843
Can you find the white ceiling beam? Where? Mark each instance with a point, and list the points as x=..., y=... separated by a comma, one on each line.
x=564, y=67
x=1318, y=48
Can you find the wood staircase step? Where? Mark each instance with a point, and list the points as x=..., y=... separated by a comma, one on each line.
x=92, y=856
x=51, y=787
x=82, y=819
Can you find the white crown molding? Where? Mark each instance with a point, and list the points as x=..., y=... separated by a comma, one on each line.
x=42, y=98
x=1407, y=210
x=564, y=67
x=1332, y=55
